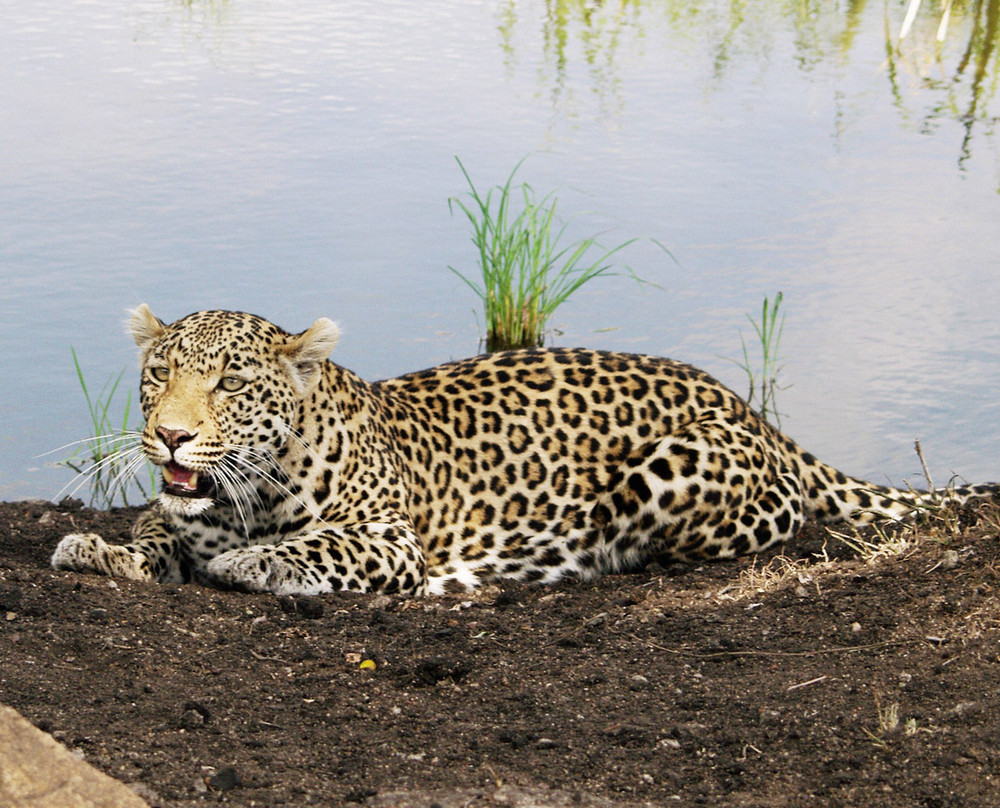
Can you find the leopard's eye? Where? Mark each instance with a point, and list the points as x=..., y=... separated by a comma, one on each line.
x=232, y=384
x=161, y=374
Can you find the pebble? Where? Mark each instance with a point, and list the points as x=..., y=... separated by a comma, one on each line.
x=194, y=715
x=226, y=780
x=949, y=560
x=310, y=608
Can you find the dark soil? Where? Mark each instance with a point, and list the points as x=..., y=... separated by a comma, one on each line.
x=679, y=686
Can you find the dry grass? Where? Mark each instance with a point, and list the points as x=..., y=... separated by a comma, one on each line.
x=934, y=532
x=761, y=578
x=940, y=524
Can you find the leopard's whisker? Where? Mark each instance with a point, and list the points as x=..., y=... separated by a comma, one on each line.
x=128, y=470
x=296, y=435
x=113, y=437
x=238, y=489
x=242, y=492
x=107, y=462
x=266, y=475
x=234, y=462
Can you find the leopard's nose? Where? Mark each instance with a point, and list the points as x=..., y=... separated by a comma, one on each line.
x=173, y=438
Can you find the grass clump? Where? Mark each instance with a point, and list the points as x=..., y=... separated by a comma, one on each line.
x=763, y=383
x=526, y=272
x=109, y=460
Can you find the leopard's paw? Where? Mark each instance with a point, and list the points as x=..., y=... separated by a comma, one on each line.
x=88, y=552
x=79, y=552
x=264, y=568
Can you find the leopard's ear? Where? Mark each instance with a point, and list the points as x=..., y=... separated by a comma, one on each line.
x=307, y=351
x=145, y=327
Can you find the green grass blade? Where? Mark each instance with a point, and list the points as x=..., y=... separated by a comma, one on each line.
x=526, y=272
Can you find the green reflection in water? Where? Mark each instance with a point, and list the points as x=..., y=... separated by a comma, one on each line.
x=947, y=67
x=597, y=29
x=966, y=68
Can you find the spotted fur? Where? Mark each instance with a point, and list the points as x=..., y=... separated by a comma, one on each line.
x=284, y=472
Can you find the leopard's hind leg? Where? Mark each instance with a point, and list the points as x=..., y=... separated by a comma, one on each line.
x=713, y=490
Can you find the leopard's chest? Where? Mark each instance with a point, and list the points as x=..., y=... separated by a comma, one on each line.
x=203, y=538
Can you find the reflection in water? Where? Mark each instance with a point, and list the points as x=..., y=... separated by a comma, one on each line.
x=982, y=49
x=599, y=29
x=601, y=35
x=962, y=92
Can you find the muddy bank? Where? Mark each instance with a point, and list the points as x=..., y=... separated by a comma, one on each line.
x=809, y=679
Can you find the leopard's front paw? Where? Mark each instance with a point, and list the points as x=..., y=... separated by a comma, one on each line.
x=88, y=552
x=264, y=568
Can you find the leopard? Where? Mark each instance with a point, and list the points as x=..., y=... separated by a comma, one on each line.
x=283, y=472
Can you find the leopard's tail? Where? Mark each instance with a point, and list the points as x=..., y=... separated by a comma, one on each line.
x=832, y=496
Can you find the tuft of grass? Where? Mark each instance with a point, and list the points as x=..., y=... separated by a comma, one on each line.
x=935, y=517
x=890, y=725
x=763, y=383
x=891, y=540
x=110, y=459
x=760, y=578
x=932, y=523
x=525, y=270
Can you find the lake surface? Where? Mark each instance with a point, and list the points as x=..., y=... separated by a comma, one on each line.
x=296, y=160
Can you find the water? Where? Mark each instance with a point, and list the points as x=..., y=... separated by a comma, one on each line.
x=296, y=161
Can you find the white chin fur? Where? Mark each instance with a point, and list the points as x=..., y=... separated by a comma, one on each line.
x=185, y=506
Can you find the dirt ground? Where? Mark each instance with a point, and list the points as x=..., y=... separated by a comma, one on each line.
x=814, y=678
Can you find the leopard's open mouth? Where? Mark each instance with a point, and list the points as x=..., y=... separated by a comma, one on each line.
x=183, y=482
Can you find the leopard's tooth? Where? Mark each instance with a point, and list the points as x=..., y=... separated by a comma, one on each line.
x=168, y=475
x=192, y=482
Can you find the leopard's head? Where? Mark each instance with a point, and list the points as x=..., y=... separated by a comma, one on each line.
x=220, y=391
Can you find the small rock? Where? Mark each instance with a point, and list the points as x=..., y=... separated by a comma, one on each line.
x=195, y=715
x=70, y=504
x=638, y=682
x=507, y=598
x=37, y=770
x=380, y=603
x=963, y=708
x=226, y=780
x=515, y=739
x=428, y=672
x=310, y=608
x=359, y=794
